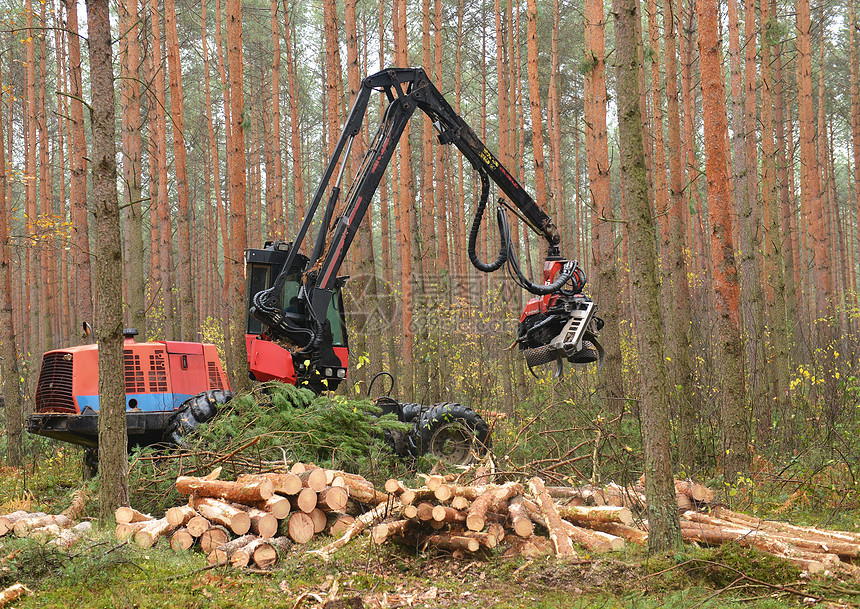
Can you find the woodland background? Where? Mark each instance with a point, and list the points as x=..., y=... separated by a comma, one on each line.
x=757, y=349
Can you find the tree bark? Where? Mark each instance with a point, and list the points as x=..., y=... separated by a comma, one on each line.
x=238, y=232
x=735, y=450
x=679, y=316
x=534, y=103
x=611, y=387
x=187, y=325
x=131, y=163
x=659, y=489
x=113, y=442
x=9, y=359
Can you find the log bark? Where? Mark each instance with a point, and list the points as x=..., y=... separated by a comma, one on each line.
x=446, y=492
x=78, y=504
x=487, y=540
x=621, y=530
x=783, y=527
x=69, y=537
x=25, y=525
x=152, y=532
x=8, y=521
x=239, y=492
x=281, y=545
x=596, y=541
x=580, y=514
x=557, y=534
x=357, y=527
x=490, y=500
x=811, y=560
x=125, y=515
x=182, y=540
x=126, y=531
x=450, y=541
x=214, y=537
x=223, y=513
x=533, y=547
x=363, y=491
x=284, y=483
x=411, y=495
x=520, y=521
x=45, y=533
x=222, y=554
x=384, y=531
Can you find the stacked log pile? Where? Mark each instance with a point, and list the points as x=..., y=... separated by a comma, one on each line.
x=254, y=520
x=54, y=529
x=475, y=518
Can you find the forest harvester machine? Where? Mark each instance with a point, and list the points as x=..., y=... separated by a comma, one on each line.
x=296, y=330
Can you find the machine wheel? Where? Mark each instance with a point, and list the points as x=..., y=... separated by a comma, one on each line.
x=194, y=411
x=452, y=432
x=90, y=463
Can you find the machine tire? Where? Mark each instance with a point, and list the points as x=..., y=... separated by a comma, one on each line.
x=452, y=432
x=90, y=463
x=194, y=411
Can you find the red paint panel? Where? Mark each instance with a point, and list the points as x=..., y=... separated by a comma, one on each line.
x=270, y=362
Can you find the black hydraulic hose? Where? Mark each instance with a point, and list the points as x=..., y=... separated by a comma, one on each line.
x=504, y=247
x=567, y=271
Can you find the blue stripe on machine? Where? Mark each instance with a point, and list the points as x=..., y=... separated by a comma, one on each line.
x=147, y=402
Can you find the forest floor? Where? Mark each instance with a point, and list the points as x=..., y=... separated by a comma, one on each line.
x=105, y=574
x=101, y=572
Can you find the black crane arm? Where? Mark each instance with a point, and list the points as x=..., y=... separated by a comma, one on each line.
x=407, y=89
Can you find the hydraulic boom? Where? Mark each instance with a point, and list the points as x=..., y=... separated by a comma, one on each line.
x=559, y=323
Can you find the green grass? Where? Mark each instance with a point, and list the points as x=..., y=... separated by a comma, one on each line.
x=102, y=573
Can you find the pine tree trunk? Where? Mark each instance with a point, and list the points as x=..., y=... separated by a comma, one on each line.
x=295, y=125
x=611, y=387
x=45, y=259
x=131, y=163
x=735, y=451
x=749, y=222
x=774, y=252
x=31, y=268
x=855, y=124
x=236, y=176
x=664, y=528
x=405, y=217
x=679, y=317
x=277, y=227
x=14, y=410
x=534, y=102
x=187, y=324
x=113, y=461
